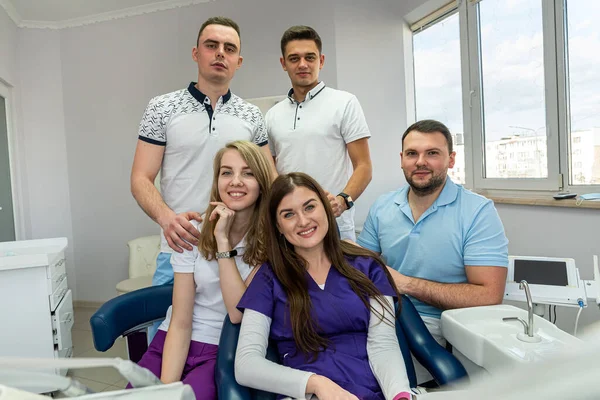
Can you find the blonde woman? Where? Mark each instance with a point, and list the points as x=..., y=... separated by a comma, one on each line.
x=211, y=278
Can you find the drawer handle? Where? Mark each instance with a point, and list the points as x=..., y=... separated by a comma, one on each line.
x=68, y=319
x=61, y=278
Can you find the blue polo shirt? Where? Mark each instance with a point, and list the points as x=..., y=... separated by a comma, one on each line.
x=460, y=229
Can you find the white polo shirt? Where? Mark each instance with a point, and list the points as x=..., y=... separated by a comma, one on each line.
x=193, y=131
x=209, y=308
x=311, y=137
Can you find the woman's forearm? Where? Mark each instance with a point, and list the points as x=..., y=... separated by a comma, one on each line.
x=175, y=351
x=252, y=369
x=383, y=350
x=231, y=282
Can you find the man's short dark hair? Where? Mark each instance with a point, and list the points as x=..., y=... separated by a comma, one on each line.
x=300, y=32
x=430, y=126
x=219, y=21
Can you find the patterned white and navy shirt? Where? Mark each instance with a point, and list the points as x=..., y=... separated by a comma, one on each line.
x=193, y=131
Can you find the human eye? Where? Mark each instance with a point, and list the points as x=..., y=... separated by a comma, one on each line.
x=230, y=49
x=288, y=215
x=248, y=173
x=225, y=172
x=310, y=207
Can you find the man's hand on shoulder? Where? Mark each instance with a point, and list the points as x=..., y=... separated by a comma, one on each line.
x=179, y=231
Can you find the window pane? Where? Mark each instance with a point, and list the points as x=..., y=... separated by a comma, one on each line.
x=438, y=83
x=583, y=41
x=512, y=65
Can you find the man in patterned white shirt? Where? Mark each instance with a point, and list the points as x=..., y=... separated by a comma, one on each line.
x=181, y=132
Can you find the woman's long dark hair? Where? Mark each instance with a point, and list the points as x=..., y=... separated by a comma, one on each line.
x=290, y=268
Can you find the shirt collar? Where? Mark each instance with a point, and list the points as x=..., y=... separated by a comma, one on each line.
x=204, y=99
x=447, y=195
x=242, y=244
x=312, y=93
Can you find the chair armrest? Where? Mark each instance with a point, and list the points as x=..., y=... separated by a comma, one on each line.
x=122, y=313
x=443, y=366
x=228, y=388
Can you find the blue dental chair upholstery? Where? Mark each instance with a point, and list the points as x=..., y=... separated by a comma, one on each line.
x=123, y=315
x=129, y=315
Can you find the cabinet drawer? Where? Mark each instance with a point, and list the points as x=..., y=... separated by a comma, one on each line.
x=57, y=279
x=59, y=261
x=58, y=294
x=62, y=322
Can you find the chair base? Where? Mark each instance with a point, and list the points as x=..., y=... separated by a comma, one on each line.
x=137, y=344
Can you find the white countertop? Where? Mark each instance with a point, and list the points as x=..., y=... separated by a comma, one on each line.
x=30, y=253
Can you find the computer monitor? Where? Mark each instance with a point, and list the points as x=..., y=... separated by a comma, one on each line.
x=551, y=280
x=541, y=272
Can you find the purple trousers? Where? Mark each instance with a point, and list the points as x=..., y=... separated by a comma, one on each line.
x=199, y=368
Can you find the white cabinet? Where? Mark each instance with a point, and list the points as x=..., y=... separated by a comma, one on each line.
x=36, y=304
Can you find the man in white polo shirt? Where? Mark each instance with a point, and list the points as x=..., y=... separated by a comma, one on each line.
x=181, y=132
x=319, y=130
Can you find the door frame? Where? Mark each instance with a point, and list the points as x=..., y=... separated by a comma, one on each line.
x=7, y=91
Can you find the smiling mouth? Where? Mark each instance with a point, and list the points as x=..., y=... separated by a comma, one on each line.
x=307, y=232
x=236, y=194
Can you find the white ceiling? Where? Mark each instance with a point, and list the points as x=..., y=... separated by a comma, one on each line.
x=67, y=13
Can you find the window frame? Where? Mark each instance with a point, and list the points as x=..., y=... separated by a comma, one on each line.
x=556, y=97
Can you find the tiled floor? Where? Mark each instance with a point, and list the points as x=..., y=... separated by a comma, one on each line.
x=97, y=379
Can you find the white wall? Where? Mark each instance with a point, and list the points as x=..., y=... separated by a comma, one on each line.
x=8, y=48
x=370, y=44
x=43, y=136
x=556, y=232
x=110, y=71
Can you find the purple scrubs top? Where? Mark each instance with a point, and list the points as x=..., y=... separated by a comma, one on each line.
x=341, y=317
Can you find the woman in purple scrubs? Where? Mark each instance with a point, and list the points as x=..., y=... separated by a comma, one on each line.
x=327, y=304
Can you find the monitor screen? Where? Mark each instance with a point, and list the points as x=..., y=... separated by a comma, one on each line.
x=541, y=272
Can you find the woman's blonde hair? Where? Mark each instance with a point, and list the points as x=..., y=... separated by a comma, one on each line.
x=255, y=252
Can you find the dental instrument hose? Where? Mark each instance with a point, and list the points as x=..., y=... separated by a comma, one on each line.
x=580, y=302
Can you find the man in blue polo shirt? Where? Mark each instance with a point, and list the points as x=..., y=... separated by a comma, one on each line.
x=445, y=245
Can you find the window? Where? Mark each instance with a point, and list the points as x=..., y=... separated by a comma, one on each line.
x=512, y=81
x=437, y=65
x=583, y=35
x=529, y=90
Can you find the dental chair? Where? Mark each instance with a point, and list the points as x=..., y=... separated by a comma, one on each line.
x=129, y=315
x=134, y=311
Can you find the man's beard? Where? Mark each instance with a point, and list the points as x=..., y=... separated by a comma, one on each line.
x=435, y=182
